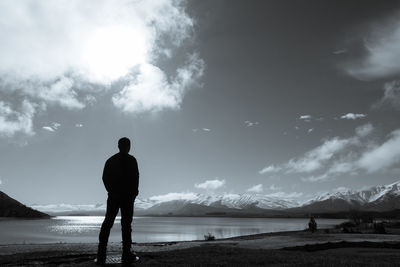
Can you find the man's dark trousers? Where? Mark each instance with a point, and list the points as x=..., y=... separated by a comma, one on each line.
x=114, y=203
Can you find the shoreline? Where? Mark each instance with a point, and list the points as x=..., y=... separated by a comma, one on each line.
x=330, y=246
x=332, y=232
x=249, y=216
x=280, y=247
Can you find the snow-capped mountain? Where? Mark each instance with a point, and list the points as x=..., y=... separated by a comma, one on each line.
x=159, y=205
x=237, y=203
x=362, y=196
x=377, y=198
x=243, y=201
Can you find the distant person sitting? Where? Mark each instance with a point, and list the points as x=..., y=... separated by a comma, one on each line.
x=312, y=225
x=121, y=180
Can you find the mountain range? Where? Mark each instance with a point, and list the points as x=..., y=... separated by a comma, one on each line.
x=375, y=199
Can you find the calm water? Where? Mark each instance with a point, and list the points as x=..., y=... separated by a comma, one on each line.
x=85, y=229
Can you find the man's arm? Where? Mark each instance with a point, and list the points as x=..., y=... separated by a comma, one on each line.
x=106, y=176
x=136, y=185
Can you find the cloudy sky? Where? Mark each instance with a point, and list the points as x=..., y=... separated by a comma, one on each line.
x=285, y=98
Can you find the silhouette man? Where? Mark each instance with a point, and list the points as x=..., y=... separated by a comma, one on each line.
x=121, y=180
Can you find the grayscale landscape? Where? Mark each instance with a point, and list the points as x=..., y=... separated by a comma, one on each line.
x=238, y=132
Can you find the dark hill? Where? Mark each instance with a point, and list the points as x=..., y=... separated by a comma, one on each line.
x=9, y=207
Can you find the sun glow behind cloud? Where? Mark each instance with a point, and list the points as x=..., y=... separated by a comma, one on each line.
x=111, y=51
x=68, y=53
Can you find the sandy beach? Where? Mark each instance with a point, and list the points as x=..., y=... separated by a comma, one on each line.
x=297, y=248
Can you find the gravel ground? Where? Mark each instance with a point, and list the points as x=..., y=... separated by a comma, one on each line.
x=273, y=249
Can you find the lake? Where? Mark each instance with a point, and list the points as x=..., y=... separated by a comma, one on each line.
x=85, y=229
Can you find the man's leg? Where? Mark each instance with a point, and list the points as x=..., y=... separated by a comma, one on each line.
x=111, y=213
x=126, y=226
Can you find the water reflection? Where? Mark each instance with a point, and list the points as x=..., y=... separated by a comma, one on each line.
x=145, y=229
x=78, y=224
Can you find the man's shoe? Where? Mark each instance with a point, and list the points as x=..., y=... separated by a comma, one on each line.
x=101, y=255
x=129, y=258
x=100, y=261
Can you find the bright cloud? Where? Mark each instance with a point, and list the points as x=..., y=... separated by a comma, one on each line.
x=364, y=130
x=335, y=156
x=251, y=123
x=341, y=189
x=54, y=127
x=61, y=92
x=353, y=116
x=79, y=49
x=340, y=51
x=391, y=95
x=312, y=179
x=12, y=121
x=150, y=90
x=383, y=53
x=201, y=129
x=48, y=128
x=382, y=156
x=99, y=39
x=341, y=166
x=305, y=117
x=371, y=158
x=315, y=158
x=270, y=169
x=211, y=184
x=256, y=189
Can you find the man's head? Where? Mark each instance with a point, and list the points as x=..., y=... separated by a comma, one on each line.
x=124, y=145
